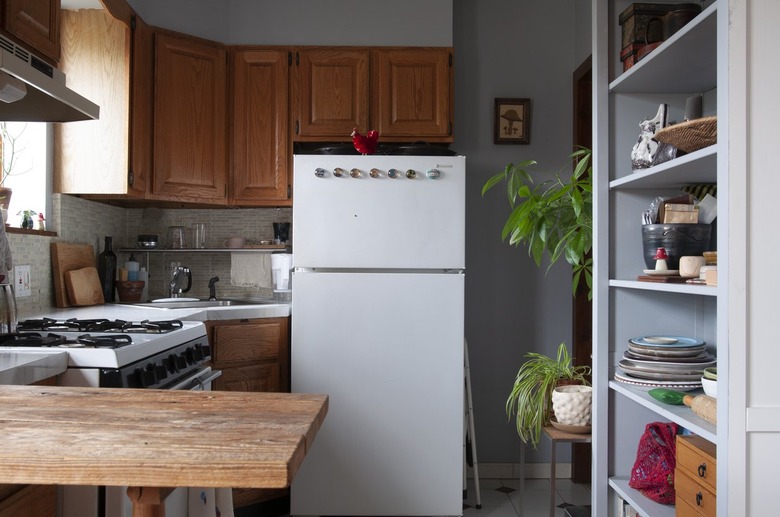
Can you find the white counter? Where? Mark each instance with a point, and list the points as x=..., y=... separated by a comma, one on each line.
x=136, y=312
x=31, y=366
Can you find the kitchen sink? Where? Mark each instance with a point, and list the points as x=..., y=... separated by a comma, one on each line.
x=200, y=304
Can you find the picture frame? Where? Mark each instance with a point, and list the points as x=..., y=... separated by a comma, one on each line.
x=512, y=121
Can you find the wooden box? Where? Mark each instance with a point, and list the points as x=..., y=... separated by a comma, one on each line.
x=695, y=478
x=641, y=23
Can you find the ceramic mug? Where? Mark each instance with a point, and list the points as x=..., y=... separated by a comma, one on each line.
x=690, y=266
x=235, y=242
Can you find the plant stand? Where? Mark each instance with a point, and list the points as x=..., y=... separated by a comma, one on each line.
x=555, y=436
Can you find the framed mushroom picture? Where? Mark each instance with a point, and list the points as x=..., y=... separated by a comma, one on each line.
x=512, y=124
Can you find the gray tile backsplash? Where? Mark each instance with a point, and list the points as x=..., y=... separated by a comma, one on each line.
x=81, y=221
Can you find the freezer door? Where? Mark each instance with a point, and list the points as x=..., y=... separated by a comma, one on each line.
x=360, y=220
x=388, y=351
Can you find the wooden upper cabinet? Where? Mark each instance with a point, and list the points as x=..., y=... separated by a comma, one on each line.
x=36, y=23
x=91, y=157
x=260, y=139
x=190, y=158
x=331, y=93
x=411, y=94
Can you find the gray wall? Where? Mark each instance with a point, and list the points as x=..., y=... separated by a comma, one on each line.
x=506, y=48
x=306, y=22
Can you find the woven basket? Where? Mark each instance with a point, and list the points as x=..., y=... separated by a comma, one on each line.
x=692, y=135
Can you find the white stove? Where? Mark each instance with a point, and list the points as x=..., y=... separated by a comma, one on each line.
x=118, y=353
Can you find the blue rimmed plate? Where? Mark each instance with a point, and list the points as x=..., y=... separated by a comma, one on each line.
x=666, y=341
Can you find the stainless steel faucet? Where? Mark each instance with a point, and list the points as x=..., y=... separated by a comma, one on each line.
x=179, y=273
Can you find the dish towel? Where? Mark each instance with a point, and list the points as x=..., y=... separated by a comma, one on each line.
x=250, y=270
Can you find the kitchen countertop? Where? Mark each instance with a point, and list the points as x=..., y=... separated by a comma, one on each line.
x=29, y=367
x=130, y=312
x=155, y=438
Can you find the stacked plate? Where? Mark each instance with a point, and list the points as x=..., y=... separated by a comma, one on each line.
x=674, y=362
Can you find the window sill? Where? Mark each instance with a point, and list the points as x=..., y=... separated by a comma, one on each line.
x=25, y=231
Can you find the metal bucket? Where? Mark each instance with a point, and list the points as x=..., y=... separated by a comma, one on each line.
x=679, y=240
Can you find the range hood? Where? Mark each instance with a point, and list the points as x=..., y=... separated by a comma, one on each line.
x=47, y=99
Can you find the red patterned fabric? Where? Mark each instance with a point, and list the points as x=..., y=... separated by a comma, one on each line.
x=656, y=457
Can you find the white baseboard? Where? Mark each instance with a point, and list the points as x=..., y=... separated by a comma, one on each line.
x=513, y=471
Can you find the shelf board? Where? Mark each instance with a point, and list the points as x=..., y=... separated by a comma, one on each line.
x=700, y=290
x=660, y=71
x=681, y=415
x=697, y=167
x=269, y=249
x=639, y=502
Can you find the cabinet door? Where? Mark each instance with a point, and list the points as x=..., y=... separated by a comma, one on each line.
x=95, y=54
x=260, y=139
x=411, y=94
x=189, y=120
x=28, y=500
x=35, y=23
x=253, y=377
x=331, y=93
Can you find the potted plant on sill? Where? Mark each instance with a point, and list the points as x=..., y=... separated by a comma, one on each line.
x=553, y=219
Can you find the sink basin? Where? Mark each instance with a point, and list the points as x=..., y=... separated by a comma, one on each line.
x=199, y=304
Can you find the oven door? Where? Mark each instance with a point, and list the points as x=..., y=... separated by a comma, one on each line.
x=200, y=380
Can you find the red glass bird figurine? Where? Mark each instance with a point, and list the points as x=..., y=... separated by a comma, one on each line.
x=365, y=144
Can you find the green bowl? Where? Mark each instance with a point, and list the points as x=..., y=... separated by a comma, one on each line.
x=711, y=372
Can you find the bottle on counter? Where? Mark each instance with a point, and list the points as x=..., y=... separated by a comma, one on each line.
x=107, y=270
x=132, y=266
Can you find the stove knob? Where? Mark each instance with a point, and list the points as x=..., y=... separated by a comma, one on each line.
x=160, y=371
x=433, y=174
x=197, y=353
x=319, y=172
x=181, y=362
x=338, y=172
x=355, y=173
x=411, y=174
x=392, y=173
x=171, y=362
x=145, y=377
x=374, y=173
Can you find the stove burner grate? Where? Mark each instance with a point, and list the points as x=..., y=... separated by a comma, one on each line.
x=35, y=339
x=99, y=325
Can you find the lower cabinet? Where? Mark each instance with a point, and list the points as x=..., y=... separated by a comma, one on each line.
x=28, y=500
x=254, y=355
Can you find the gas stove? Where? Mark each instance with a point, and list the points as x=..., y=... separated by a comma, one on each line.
x=117, y=353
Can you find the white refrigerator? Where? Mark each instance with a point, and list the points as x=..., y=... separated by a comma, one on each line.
x=378, y=280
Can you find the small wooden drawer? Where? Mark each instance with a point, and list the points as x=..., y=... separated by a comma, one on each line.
x=683, y=509
x=692, y=493
x=240, y=343
x=697, y=458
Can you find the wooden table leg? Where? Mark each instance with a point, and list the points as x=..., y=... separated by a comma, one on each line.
x=148, y=501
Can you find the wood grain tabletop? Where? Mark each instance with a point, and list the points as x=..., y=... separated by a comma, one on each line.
x=161, y=438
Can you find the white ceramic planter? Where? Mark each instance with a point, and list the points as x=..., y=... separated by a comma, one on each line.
x=572, y=404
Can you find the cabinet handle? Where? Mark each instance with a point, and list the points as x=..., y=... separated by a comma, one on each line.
x=699, y=497
x=702, y=470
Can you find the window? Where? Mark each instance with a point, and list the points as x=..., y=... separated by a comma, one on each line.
x=26, y=157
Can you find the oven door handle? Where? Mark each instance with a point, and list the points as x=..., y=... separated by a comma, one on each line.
x=198, y=380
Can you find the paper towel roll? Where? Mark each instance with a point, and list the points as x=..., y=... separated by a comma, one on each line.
x=281, y=264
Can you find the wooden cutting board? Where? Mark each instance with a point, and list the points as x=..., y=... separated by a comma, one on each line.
x=83, y=287
x=68, y=257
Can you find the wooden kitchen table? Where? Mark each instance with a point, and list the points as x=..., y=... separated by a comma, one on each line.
x=154, y=440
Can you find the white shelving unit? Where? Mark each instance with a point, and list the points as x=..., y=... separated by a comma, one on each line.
x=684, y=65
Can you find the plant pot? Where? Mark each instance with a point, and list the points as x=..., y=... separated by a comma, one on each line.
x=679, y=240
x=572, y=404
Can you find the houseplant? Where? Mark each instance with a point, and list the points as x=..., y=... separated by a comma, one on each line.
x=552, y=218
x=530, y=399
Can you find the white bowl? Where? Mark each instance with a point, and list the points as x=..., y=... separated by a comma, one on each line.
x=710, y=387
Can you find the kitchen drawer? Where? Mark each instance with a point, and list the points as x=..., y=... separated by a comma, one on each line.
x=690, y=492
x=683, y=509
x=697, y=458
x=250, y=342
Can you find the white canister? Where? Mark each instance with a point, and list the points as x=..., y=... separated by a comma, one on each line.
x=690, y=266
